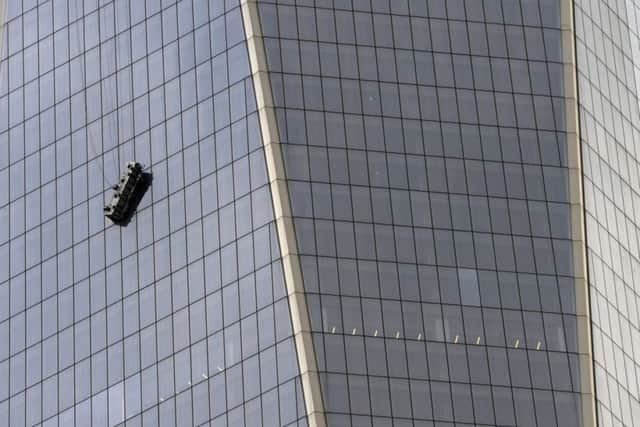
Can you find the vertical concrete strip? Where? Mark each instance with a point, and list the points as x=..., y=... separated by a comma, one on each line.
x=282, y=208
x=576, y=196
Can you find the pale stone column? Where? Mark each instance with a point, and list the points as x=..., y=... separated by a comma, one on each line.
x=576, y=199
x=286, y=233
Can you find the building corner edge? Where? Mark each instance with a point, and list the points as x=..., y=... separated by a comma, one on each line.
x=578, y=226
x=284, y=222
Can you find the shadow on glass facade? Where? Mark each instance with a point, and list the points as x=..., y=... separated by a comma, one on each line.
x=426, y=162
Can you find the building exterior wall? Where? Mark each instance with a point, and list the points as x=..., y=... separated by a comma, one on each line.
x=426, y=155
x=577, y=206
x=608, y=56
x=181, y=317
x=363, y=213
x=307, y=363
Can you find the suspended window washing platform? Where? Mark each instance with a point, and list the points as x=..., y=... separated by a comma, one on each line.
x=132, y=186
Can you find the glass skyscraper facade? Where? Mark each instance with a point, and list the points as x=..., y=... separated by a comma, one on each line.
x=426, y=160
x=362, y=213
x=181, y=317
x=608, y=75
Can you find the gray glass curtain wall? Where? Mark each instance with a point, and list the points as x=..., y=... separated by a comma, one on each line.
x=362, y=213
x=608, y=76
x=181, y=317
x=426, y=161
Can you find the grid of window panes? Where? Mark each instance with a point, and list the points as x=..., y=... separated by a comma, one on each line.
x=608, y=57
x=179, y=318
x=426, y=161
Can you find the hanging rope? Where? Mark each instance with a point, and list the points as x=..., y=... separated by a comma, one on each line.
x=92, y=143
x=112, y=95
